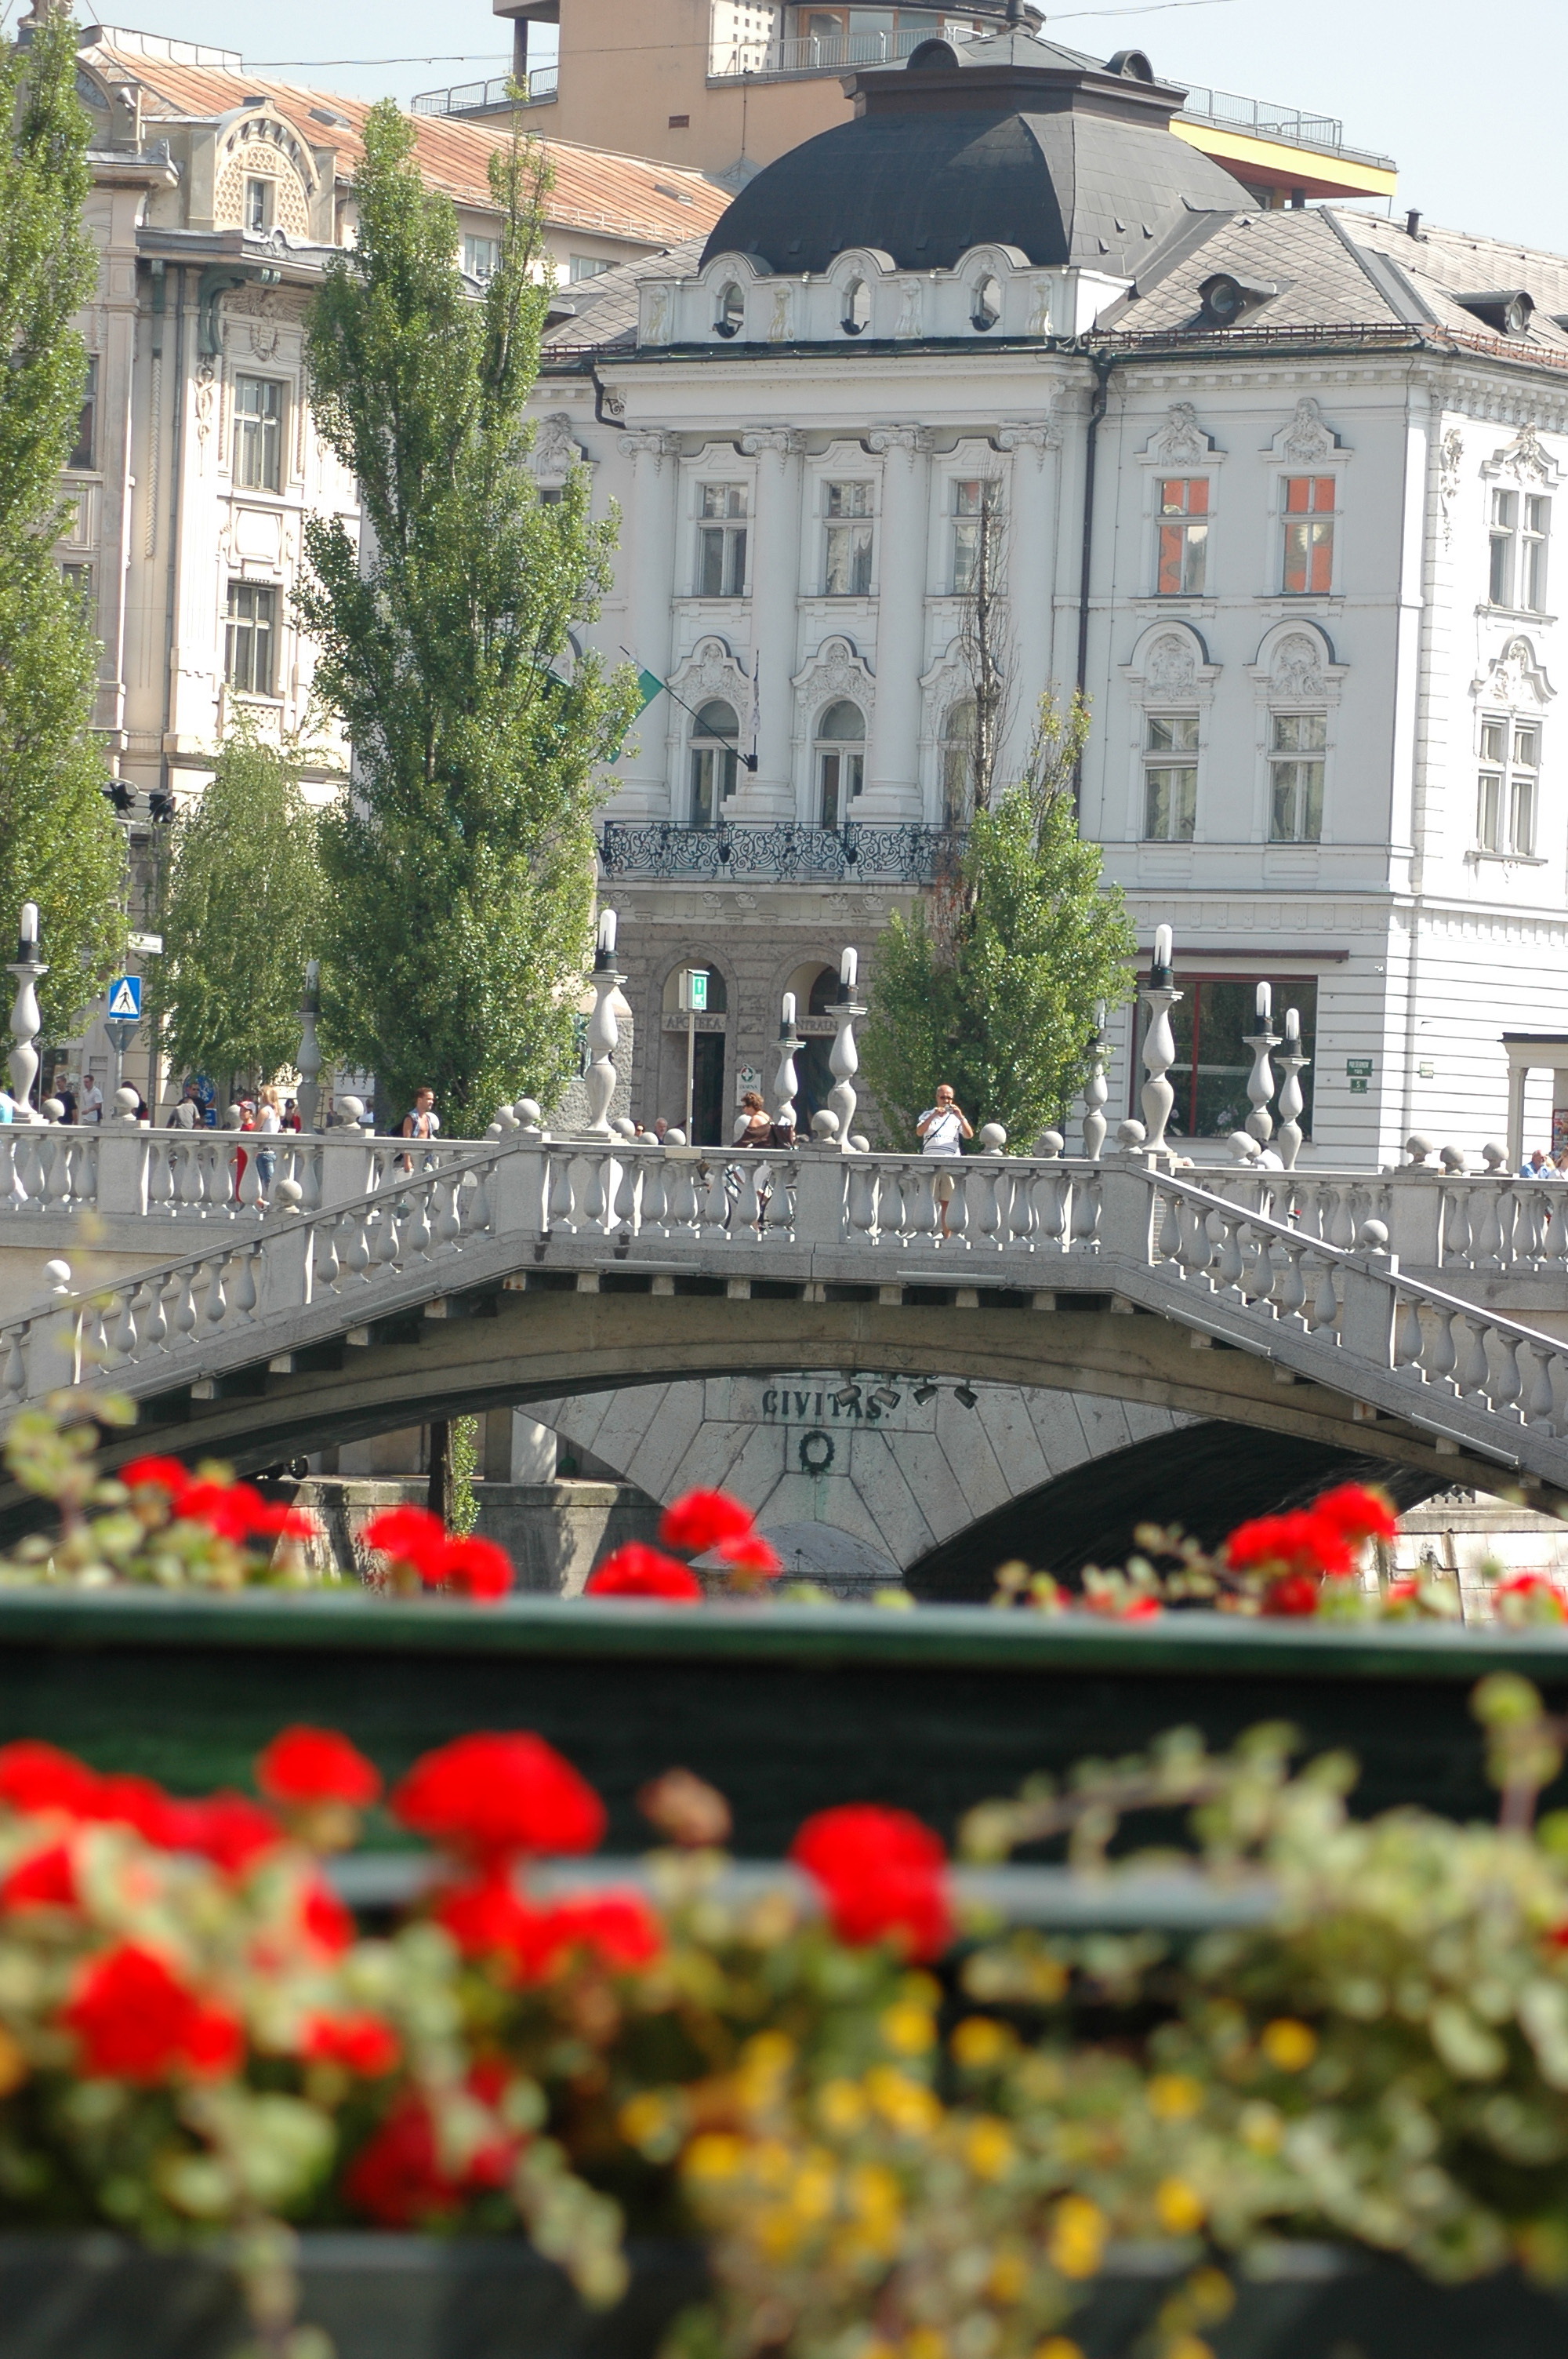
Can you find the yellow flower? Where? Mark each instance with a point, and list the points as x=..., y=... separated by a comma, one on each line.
x=1212, y=2295
x=925, y=2342
x=1289, y=2046
x=1174, y=2095
x=644, y=2117
x=1058, y=2347
x=979, y=2041
x=907, y=2105
x=1262, y=2128
x=908, y=2029
x=772, y=2163
x=714, y=2158
x=1189, y=2346
x=1180, y=2207
x=777, y=2232
x=841, y=2106
x=989, y=2148
x=811, y=2197
x=874, y=2193
x=1009, y=2276
x=1078, y=2236
x=769, y=2053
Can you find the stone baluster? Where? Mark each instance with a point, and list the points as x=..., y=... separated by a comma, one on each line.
x=1097, y=1089
x=603, y=1031
x=1260, y=1080
x=785, y=1080
x=1293, y=1064
x=29, y=969
x=1159, y=998
x=1472, y=1374
x=844, y=1057
x=1438, y=1356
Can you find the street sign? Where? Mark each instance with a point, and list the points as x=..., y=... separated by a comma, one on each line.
x=694, y=991
x=1358, y=1087
x=145, y=945
x=1362, y=1065
x=125, y=997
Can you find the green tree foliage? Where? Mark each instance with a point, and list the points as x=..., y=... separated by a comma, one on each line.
x=59, y=842
x=462, y=865
x=243, y=914
x=993, y=986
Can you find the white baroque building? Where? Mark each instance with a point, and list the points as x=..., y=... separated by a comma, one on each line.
x=1278, y=488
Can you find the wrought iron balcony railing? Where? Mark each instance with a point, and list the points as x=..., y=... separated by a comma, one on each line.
x=865, y=852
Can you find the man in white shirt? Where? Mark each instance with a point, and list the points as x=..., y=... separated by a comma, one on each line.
x=941, y=1130
x=90, y=1102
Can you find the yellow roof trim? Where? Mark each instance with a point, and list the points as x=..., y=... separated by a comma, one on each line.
x=1319, y=172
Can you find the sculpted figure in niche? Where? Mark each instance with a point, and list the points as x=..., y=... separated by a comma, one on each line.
x=779, y=325
x=658, y=315
x=910, y=309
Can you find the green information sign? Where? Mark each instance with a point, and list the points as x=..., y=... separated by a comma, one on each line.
x=1362, y=1065
x=1358, y=1087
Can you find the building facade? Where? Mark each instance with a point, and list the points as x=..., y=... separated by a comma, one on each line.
x=217, y=200
x=1276, y=486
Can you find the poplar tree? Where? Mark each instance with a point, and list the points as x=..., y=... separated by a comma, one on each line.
x=992, y=984
x=461, y=862
x=59, y=846
x=242, y=916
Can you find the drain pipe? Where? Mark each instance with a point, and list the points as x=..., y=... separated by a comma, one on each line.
x=1102, y=362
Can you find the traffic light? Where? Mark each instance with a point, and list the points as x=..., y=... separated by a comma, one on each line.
x=122, y=797
x=160, y=807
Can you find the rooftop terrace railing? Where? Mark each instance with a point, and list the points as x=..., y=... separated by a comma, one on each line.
x=477, y=97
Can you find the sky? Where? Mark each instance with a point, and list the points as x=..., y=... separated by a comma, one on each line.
x=1467, y=102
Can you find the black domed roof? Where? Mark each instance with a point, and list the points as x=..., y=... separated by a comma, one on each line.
x=1007, y=142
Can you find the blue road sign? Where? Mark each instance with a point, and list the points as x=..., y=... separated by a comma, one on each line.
x=125, y=998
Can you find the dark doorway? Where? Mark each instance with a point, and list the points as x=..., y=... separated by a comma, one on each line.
x=708, y=1091
x=1208, y=1478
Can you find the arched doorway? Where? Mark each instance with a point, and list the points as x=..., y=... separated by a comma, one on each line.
x=708, y=1124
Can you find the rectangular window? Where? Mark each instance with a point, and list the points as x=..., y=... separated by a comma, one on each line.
x=85, y=452
x=258, y=207
x=1211, y=1022
x=482, y=256
x=848, y=573
x=79, y=577
x=586, y=266
x=1309, y=536
x=721, y=542
x=1184, y=537
x=1296, y=777
x=1171, y=778
x=976, y=504
x=249, y=656
x=1507, y=788
x=258, y=434
x=1505, y=517
x=1537, y=525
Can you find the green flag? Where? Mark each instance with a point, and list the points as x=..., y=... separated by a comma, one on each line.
x=649, y=685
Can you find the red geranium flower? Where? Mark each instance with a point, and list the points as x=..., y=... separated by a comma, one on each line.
x=325, y=1918
x=751, y=1553
x=270, y=1519
x=882, y=1872
x=157, y=1475
x=489, y=1919
x=124, y=1799
x=230, y=1829
x=478, y=1567
x=1357, y=1513
x=619, y=1927
x=361, y=2043
x=1300, y=1542
x=493, y=1794
x=39, y=1777
x=316, y=1765
x=635, y=1570
x=703, y=1520
x=1541, y=1598
x=397, y=2179
x=1297, y=1594
x=411, y=1536
x=136, y=2021
x=45, y=1880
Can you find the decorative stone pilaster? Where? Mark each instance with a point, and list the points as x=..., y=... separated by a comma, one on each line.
x=844, y=1059
x=1260, y=1080
x=1159, y=998
x=651, y=546
x=1029, y=529
x=604, y=1032
x=1293, y=1064
x=785, y=1081
x=775, y=562
x=893, y=756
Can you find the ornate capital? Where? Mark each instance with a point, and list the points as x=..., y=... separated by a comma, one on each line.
x=1036, y=434
x=777, y=441
x=651, y=442
x=912, y=441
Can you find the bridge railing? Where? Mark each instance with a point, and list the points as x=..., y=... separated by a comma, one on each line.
x=195, y=1175
x=1258, y=1258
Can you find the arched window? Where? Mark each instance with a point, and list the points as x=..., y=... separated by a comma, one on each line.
x=714, y=760
x=958, y=763
x=840, y=761
x=730, y=316
x=988, y=305
x=856, y=317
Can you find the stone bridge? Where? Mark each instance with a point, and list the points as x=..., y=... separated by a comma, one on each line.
x=1417, y=1319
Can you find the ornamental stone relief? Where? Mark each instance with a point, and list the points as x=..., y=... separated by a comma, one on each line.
x=1297, y=673
x=834, y=671
x=1524, y=460
x=1171, y=669
x=555, y=448
x=1515, y=677
x=711, y=669
x=1182, y=442
x=1306, y=438
x=780, y=324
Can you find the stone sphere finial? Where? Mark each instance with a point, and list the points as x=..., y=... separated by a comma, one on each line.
x=1049, y=1146
x=1244, y=1148
x=125, y=1104
x=1494, y=1156
x=288, y=1195
x=1372, y=1236
x=1419, y=1150
x=992, y=1137
x=824, y=1123
x=1130, y=1135
x=858, y=1144
x=53, y=1109
x=624, y=1127
x=233, y=1118
x=527, y=1114
x=58, y=1276
x=348, y=1113
x=1451, y=1158
x=674, y=1138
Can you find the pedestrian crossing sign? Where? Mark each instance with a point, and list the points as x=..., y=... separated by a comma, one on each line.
x=125, y=997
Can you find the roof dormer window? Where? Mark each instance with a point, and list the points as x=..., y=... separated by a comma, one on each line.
x=856, y=317
x=988, y=306
x=1226, y=298
x=1509, y=309
x=730, y=316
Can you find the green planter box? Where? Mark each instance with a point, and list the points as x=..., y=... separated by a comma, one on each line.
x=386, y=2296
x=787, y=1709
